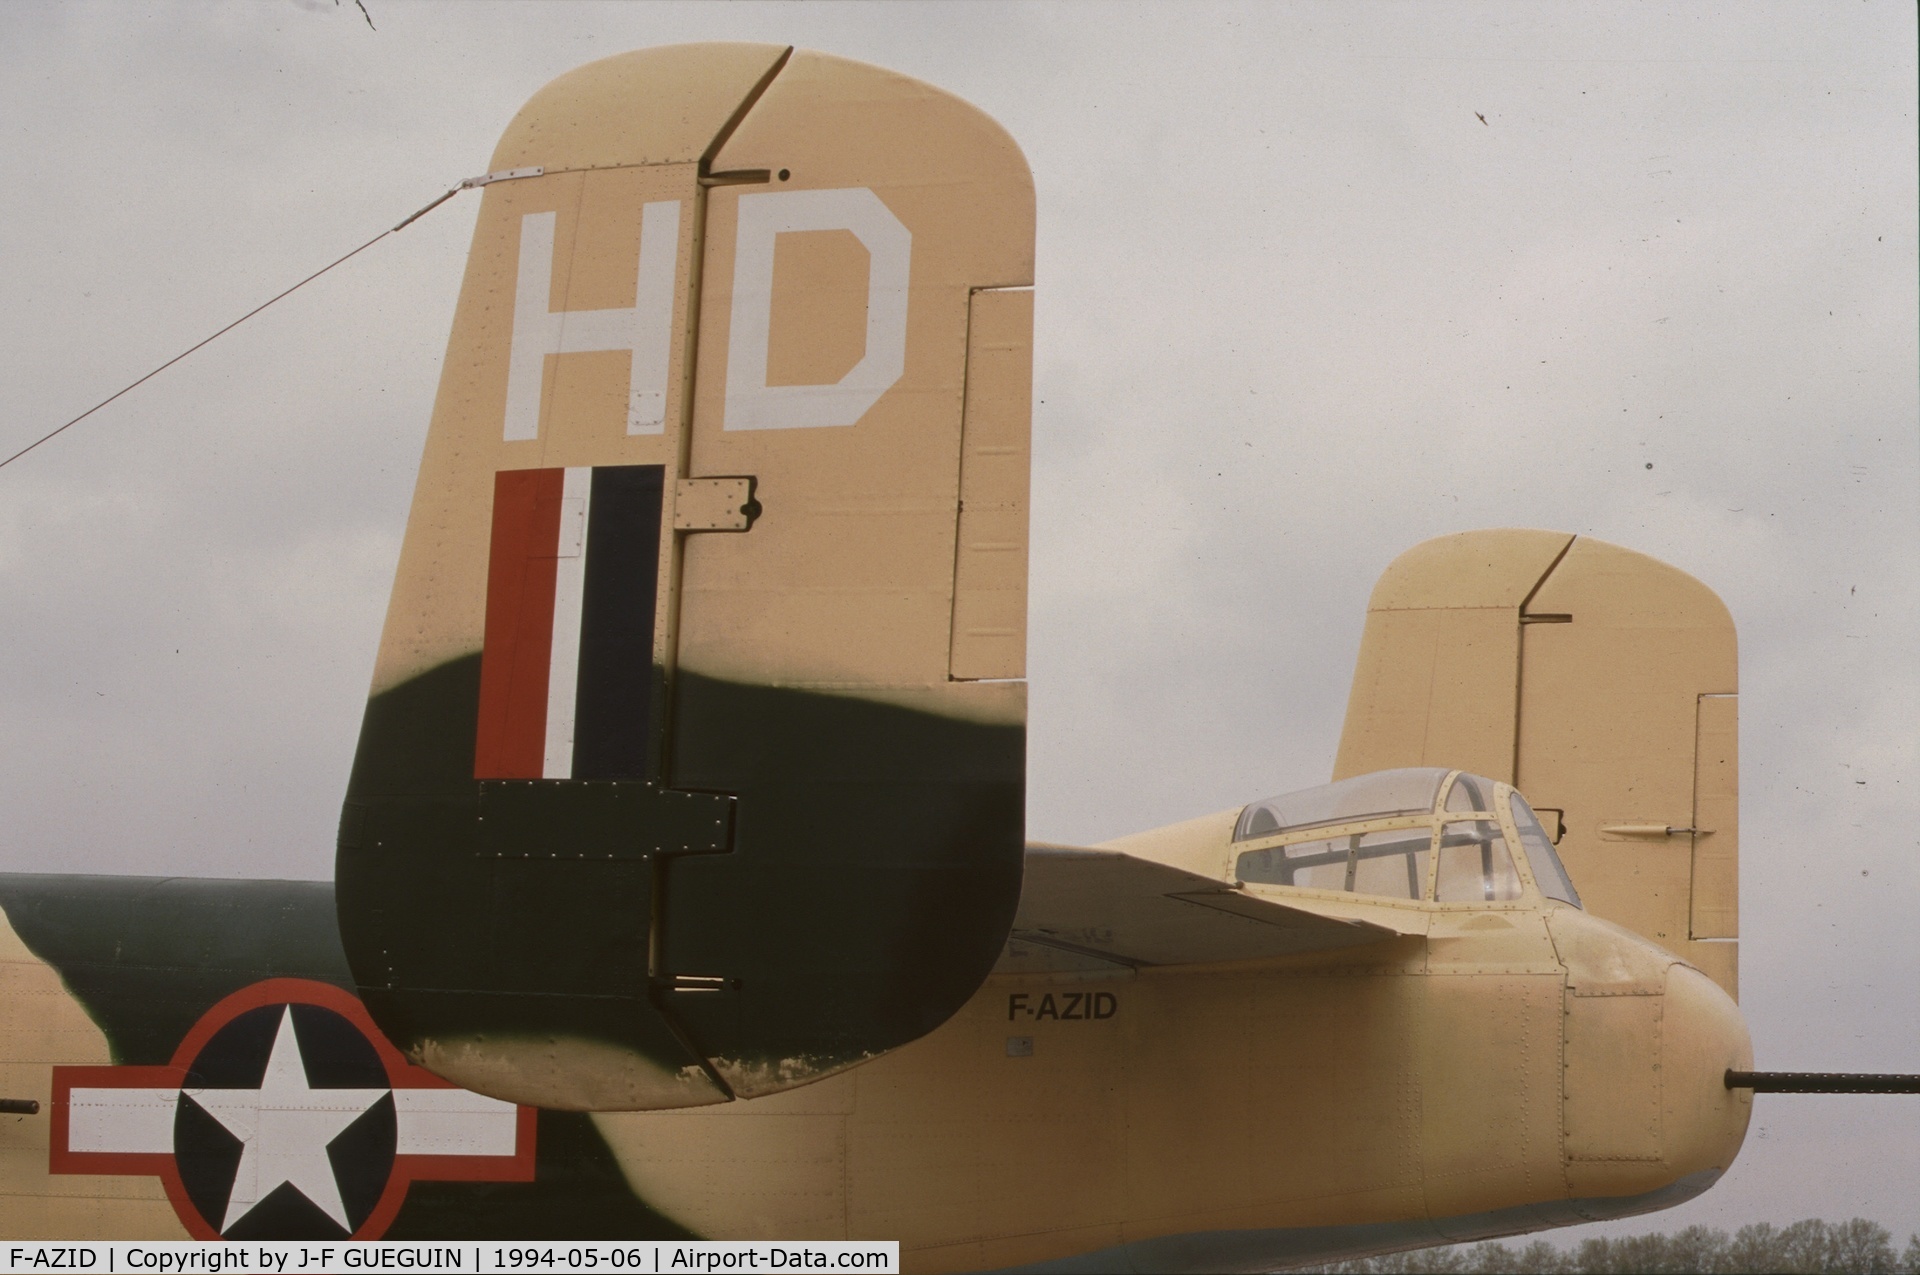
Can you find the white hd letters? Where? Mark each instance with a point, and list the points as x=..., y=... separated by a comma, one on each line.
x=647, y=328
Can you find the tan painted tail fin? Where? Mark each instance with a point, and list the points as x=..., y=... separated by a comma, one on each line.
x=1598, y=681
x=694, y=766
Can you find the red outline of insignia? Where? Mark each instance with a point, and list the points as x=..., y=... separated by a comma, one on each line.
x=401, y=1074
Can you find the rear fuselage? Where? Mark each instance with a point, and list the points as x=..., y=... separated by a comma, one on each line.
x=1520, y=1066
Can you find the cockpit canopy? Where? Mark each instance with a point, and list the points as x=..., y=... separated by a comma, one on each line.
x=1419, y=833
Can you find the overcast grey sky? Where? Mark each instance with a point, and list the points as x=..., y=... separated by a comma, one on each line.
x=1298, y=309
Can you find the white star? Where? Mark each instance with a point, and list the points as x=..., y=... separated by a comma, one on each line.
x=285, y=1126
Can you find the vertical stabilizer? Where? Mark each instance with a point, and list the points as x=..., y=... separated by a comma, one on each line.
x=1601, y=683
x=694, y=766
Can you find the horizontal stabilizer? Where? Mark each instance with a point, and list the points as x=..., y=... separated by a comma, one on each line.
x=1131, y=912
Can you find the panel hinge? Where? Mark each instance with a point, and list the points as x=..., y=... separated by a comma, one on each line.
x=504, y=175
x=714, y=504
x=739, y=177
x=700, y=983
x=1650, y=830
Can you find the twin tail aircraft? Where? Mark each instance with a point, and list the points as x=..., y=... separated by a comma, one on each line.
x=682, y=886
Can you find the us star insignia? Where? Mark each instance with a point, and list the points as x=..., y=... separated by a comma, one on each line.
x=285, y=1114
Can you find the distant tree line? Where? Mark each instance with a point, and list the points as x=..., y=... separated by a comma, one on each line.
x=1811, y=1247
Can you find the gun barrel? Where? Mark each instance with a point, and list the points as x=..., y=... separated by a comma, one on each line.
x=1822, y=1082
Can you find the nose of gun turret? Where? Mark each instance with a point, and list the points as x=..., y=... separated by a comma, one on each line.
x=1648, y=1118
x=1702, y=1036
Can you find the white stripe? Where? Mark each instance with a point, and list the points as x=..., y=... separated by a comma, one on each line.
x=121, y=1120
x=569, y=587
x=454, y=1122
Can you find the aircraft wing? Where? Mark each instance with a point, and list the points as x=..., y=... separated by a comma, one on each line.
x=1121, y=910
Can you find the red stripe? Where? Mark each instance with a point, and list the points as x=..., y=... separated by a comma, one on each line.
x=512, y=738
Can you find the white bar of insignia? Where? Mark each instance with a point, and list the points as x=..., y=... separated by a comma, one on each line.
x=121, y=1120
x=454, y=1122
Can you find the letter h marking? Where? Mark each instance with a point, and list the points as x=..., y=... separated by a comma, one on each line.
x=646, y=329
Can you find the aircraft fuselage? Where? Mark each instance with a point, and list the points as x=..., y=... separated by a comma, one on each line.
x=1519, y=1067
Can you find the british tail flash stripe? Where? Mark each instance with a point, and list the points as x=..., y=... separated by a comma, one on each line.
x=521, y=574
x=566, y=672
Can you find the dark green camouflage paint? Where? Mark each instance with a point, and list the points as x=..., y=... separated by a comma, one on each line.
x=874, y=875
x=446, y=936
x=847, y=871
x=147, y=956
